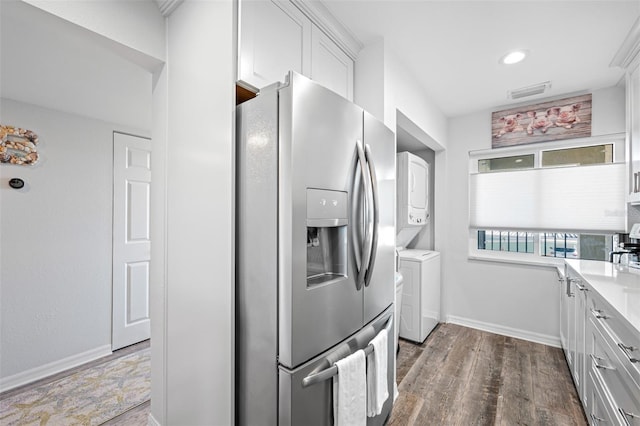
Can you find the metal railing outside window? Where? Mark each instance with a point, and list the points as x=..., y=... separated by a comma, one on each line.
x=513, y=241
x=547, y=244
x=555, y=244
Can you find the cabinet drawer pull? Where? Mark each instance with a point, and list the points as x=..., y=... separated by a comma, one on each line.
x=626, y=415
x=627, y=352
x=596, y=419
x=581, y=287
x=596, y=364
x=598, y=314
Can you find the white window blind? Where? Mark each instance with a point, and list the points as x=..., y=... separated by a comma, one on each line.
x=572, y=199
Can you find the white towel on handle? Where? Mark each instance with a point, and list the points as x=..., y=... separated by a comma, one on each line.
x=377, y=387
x=350, y=391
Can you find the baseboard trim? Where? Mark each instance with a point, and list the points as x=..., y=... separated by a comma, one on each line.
x=151, y=421
x=29, y=376
x=506, y=331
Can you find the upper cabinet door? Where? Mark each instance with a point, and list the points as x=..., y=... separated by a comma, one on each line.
x=633, y=131
x=330, y=66
x=274, y=37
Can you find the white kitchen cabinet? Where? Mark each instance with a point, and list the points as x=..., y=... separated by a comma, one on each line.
x=628, y=58
x=330, y=66
x=565, y=301
x=605, y=365
x=599, y=412
x=275, y=36
x=568, y=322
x=633, y=130
x=580, y=347
x=577, y=300
x=620, y=392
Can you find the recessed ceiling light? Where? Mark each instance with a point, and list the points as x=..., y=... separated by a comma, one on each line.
x=513, y=57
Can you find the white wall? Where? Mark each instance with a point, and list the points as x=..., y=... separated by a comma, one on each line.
x=383, y=87
x=192, y=331
x=192, y=220
x=403, y=93
x=135, y=24
x=511, y=299
x=73, y=71
x=369, y=78
x=55, y=271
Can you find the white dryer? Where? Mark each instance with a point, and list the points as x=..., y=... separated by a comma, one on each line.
x=420, y=311
x=412, y=196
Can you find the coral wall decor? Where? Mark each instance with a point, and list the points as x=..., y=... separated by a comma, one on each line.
x=547, y=121
x=18, y=146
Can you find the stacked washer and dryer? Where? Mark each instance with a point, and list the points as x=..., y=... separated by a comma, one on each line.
x=418, y=289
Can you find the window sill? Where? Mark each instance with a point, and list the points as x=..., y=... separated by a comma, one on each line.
x=548, y=262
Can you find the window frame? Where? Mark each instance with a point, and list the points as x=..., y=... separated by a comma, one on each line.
x=535, y=258
x=617, y=139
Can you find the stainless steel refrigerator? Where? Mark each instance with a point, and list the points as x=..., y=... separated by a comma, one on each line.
x=315, y=249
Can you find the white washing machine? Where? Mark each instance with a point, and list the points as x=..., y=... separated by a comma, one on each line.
x=420, y=311
x=396, y=317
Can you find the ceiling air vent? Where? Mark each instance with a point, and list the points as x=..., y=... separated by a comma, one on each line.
x=523, y=92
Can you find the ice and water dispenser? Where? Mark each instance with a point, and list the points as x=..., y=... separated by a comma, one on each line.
x=326, y=236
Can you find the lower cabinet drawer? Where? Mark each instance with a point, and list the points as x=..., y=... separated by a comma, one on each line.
x=624, y=341
x=600, y=408
x=605, y=365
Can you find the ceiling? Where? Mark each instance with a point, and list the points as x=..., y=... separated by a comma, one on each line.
x=49, y=62
x=453, y=47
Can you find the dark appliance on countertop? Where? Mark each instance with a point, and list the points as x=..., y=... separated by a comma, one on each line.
x=627, y=250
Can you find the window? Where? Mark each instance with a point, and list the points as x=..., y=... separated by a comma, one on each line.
x=506, y=163
x=556, y=244
x=548, y=244
x=597, y=154
x=519, y=242
x=575, y=187
x=579, y=156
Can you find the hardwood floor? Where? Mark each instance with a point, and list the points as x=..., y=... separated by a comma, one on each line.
x=462, y=376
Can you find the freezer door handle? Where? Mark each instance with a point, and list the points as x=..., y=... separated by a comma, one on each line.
x=376, y=211
x=365, y=249
x=329, y=372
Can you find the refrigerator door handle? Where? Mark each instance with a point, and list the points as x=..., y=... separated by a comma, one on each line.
x=331, y=371
x=376, y=214
x=365, y=248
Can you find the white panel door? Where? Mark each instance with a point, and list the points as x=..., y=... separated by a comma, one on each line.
x=131, y=242
x=330, y=66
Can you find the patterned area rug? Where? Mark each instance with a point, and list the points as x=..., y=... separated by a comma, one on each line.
x=88, y=397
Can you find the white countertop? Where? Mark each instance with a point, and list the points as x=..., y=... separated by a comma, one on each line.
x=619, y=285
